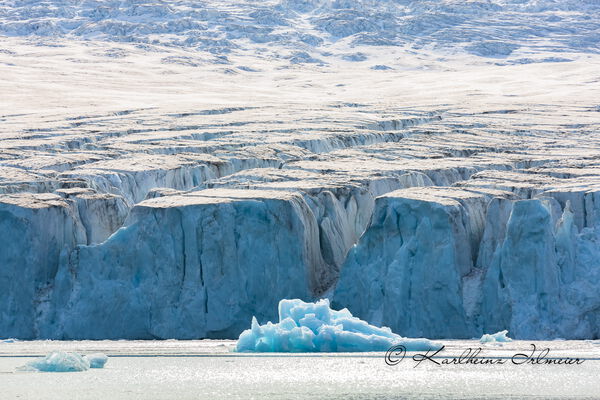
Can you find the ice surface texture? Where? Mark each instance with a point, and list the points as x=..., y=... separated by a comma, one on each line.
x=59, y=361
x=191, y=163
x=436, y=260
x=188, y=260
x=315, y=327
x=450, y=262
x=223, y=27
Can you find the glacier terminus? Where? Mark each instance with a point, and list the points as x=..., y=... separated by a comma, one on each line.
x=174, y=169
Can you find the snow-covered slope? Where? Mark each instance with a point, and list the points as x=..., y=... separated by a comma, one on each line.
x=306, y=28
x=170, y=169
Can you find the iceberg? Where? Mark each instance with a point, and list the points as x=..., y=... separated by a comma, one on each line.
x=59, y=361
x=498, y=337
x=315, y=327
x=96, y=360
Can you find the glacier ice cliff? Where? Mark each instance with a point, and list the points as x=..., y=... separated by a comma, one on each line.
x=171, y=169
x=456, y=263
x=451, y=234
x=36, y=232
x=208, y=260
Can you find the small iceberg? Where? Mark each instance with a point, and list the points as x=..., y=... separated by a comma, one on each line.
x=314, y=327
x=498, y=337
x=96, y=360
x=59, y=361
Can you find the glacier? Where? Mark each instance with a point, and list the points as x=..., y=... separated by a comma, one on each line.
x=436, y=260
x=190, y=254
x=315, y=327
x=173, y=169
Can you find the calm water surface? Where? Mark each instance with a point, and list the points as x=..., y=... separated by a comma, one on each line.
x=208, y=370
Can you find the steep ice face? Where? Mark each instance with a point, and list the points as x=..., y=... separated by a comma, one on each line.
x=210, y=257
x=101, y=214
x=526, y=261
x=314, y=327
x=424, y=268
x=192, y=266
x=342, y=207
x=542, y=277
x=409, y=268
x=37, y=232
x=307, y=111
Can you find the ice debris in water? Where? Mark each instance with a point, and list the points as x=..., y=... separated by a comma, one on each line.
x=497, y=337
x=314, y=327
x=59, y=361
x=96, y=360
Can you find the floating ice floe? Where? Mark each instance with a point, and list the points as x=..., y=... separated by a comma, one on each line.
x=315, y=327
x=498, y=337
x=96, y=360
x=59, y=361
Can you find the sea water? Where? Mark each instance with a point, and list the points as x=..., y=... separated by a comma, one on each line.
x=210, y=369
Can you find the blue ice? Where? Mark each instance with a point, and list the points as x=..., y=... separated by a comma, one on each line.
x=498, y=337
x=59, y=361
x=96, y=360
x=315, y=327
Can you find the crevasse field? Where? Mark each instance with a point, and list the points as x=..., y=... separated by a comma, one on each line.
x=170, y=169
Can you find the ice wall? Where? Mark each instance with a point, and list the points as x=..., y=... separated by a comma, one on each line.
x=101, y=214
x=407, y=271
x=542, y=280
x=452, y=263
x=37, y=232
x=192, y=266
x=184, y=221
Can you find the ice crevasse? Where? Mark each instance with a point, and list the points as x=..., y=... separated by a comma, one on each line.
x=315, y=327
